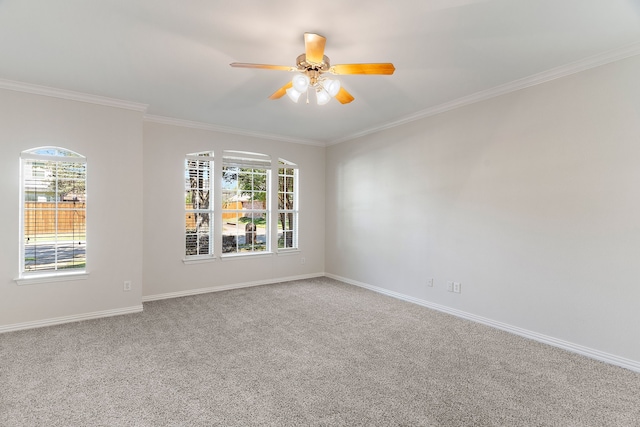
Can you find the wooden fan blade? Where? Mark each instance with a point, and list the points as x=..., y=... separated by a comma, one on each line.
x=281, y=92
x=314, y=47
x=344, y=97
x=381, y=68
x=265, y=66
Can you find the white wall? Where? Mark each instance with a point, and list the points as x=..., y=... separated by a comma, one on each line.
x=531, y=200
x=165, y=273
x=111, y=140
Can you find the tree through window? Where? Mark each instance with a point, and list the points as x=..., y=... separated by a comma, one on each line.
x=198, y=204
x=245, y=202
x=287, y=205
x=54, y=206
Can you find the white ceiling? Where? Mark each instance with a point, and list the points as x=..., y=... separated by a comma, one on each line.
x=175, y=55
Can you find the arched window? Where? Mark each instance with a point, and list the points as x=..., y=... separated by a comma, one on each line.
x=198, y=205
x=54, y=206
x=287, y=205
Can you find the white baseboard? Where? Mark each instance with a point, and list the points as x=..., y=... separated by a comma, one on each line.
x=138, y=308
x=69, y=319
x=566, y=345
x=228, y=287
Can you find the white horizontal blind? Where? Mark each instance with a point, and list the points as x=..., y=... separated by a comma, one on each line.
x=245, y=207
x=198, y=205
x=54, y=206
x=241, y=159
x=287, y=205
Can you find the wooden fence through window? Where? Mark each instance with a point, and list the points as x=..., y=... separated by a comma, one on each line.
x=40, y=218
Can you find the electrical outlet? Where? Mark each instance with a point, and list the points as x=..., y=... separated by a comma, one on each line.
x=456, y=287
x=430, y=282
x=449, y=286
x=127, y=285
x=303, y=260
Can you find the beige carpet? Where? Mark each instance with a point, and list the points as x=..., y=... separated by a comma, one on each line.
x=308, y=353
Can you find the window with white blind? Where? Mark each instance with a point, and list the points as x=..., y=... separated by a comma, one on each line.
x=287, y=205
x=245, y=202
x=53, y=212
x=198, y=205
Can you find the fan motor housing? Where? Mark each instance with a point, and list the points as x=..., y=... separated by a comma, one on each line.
x=321, y=67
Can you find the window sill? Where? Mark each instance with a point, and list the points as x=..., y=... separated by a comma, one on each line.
x=285, y=252
x=195, y=260
x=50, y=278
x=246, y=255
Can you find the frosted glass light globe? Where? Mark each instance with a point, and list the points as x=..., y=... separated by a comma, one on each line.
x=293, y=94
x=332, y=86
x=322, y=97
x=300, y=82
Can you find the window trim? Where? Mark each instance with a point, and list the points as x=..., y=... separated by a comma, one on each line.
x=248, y=160
x=285, y=164
x=244, y=255
x=56, y=275
x=33, y=279
x=209, y=157
x=199, y=259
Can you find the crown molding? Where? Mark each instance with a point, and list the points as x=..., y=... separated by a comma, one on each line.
x=71, y=95
x=224, y=129
x=536, y=79
x=543, y=77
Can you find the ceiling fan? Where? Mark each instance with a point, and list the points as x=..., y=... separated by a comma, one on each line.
x=311, y=67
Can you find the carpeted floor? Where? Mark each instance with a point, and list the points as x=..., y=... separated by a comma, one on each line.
x=307, y=353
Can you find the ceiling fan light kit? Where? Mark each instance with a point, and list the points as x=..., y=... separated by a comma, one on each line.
x=311, y=65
